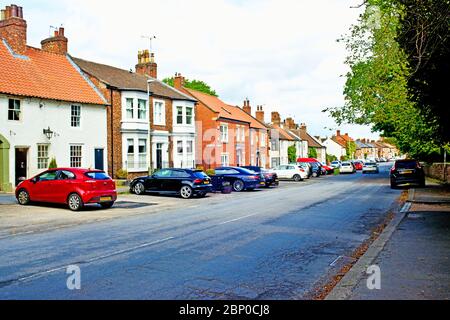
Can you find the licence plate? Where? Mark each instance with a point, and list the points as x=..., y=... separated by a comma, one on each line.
x=262, y=183
x=105, y=199
x=206, y=182
x=406, y=172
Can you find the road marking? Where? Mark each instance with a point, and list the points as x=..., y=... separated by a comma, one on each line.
x=237, y=219
x=112, y=254
x=406, y=207
x=335, y=261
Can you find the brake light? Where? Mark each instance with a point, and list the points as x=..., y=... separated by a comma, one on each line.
x=198, y=181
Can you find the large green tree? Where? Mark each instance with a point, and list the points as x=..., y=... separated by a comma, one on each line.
x=197, y=85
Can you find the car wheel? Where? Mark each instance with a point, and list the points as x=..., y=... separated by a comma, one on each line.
x=139, y=188
x=186, y=192
x=23, y=197
x=315, y=175
x=107, y=205
x=297, y=178
x=75, y=202
x=238, y=186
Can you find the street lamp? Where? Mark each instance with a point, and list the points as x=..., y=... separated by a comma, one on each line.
x=48, y=133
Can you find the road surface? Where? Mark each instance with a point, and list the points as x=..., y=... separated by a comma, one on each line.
x=269, y=244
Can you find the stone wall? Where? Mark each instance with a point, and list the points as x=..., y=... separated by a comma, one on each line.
x=436, y=171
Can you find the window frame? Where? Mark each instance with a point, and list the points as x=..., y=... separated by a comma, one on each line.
x=129, y=108
x=76, y=160
x=224, y=137
x=142, y=109
x=159, y=118
x=75, y=117
x=40, y=158
x=189, y=117
x=178, y=115
x=15, y=111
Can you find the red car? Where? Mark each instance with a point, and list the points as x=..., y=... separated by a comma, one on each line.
x=74, y=187
x=358, y=165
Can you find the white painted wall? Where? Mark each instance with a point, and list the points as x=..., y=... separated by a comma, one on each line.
x=334, y=148
x=183, y=133
x=36, y=115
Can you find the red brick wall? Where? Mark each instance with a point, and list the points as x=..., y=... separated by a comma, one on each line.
x=14, y=31
x=57, y=45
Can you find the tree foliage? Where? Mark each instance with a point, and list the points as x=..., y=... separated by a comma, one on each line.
x=386, y=87
x=197, y=85
x=53, y=164
x=312, y=153
x=292, y=154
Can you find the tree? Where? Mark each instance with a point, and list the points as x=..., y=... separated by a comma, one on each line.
x=292, y=154
x=331, y=158
x=197, y=85
x=350, y=149
x=53, y=164
x=312, y=153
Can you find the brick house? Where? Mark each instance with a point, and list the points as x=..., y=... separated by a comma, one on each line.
x=226, y=135
x=150, y=124
x=343, y=140
x=48, y=108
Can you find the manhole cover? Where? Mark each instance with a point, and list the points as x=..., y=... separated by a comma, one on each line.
x=132, y=205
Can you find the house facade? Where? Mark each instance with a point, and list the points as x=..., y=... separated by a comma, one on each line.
x=334, y=148
x=150, y=125
x=226, y=135
x=48, y=107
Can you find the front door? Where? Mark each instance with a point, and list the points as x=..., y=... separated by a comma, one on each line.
x=159, y=161
x=21, y=164
x=99, y=159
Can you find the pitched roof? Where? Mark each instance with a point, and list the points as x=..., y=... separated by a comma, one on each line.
x=126, y=80
x=45, y=75
x=342, y=140
x=305, y=136
x=225, y=110
x=284, y=134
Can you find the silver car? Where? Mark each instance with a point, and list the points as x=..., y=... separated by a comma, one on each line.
x=370, y=167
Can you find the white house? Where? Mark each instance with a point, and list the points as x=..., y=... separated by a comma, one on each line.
x=183, y=133
x=334, y=148
x=48, y=107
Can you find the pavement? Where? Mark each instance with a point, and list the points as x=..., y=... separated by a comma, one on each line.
x=281, y=243
x=414, y=260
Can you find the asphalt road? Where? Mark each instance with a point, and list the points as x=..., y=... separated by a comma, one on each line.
x=269, y=244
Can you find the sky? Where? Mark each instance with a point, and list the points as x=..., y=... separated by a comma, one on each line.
x=281, y=54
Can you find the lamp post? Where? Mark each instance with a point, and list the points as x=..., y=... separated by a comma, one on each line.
x=48, y=133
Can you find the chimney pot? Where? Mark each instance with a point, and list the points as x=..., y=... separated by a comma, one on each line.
x=338, y=133
x=13, y=10
x=13, y=29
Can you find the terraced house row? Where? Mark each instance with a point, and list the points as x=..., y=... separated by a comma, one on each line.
x=87, y=114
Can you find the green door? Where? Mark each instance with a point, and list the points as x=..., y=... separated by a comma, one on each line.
x=5, y=185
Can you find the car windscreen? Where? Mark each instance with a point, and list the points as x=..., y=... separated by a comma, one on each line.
x=406, y=165
x=96, y=175
x=346, y=164
x=370, y=164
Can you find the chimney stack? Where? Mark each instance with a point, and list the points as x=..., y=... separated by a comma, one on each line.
x=58, y=44
x=260, y=114
x=247, y=108
x=303, y=126
x=178, y=81
x=290, y=123
x=146, y=64
x=276, y=119
x=13, y=28
x=338, y=133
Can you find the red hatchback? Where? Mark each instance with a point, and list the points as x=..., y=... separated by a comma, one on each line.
x=74, y=187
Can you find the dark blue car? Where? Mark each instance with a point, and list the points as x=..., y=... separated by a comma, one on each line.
x=241, y=179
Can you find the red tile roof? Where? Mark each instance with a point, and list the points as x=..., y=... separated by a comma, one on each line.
x=44, y=75
x=284, y=135
x=224, y=110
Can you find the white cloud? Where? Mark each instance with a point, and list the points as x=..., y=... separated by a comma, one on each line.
x=282, y=54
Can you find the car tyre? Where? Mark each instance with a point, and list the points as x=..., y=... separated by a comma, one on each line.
x=393, y=185
x=297, y=178
x=238, y=186
x=107, y=205
x=23, y=197
x=186, y=192
x=139, y=188
x=75, y=202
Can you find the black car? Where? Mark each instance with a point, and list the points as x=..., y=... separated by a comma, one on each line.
x=240, y=178
x=271, y=178
x=407, y=171
x=184, y=182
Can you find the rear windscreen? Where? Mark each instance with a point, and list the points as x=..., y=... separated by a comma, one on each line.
x=97, y=175
x=200, y=175
x=406, y=165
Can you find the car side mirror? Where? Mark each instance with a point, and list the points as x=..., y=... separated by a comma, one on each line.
x=35, y=180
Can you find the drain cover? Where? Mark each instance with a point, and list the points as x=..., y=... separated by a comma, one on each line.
x=132, y=205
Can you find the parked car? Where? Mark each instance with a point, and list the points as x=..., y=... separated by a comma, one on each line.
x=407, y=171
x=327, y=169
x=316, y=165
x=347, y=167
x=370, y=166
x=291, y=172
x=183, y=182
x=336, y=164
x=358, y=165
x=307, y=167
x=270, y=177
x=241, y=179
x=74, y=187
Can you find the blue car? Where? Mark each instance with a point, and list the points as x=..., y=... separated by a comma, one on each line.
x=241, y=179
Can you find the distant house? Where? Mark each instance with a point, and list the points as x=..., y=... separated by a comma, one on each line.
x=343, y=141
x=334, y=148
x=150, y=124
x=311, y=142
x=226, y=135
x=48, y=107
x=365, y=150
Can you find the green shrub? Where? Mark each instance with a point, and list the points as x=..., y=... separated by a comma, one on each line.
x=53, y=164
x=122, y=174
x=210, y=172
x=337, y=172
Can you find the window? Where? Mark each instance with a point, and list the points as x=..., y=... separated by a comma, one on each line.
x=180, y=174
x=159, y=113
x=224, y=133
x=42, y=156
x=142, y=153
x=130, y=153
x=97, y=175
x=263, y=139
x=48, y=176
x=75, y=118
x=179, y=115
x=225, y=160
x=165, y=173
x=75, y=156
x=242, y=132
x=14, y=110
x=66, y=175
x=189, y=114
x=189, y=146
x=142, y=109
x=180, y=147
x=130, y=108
